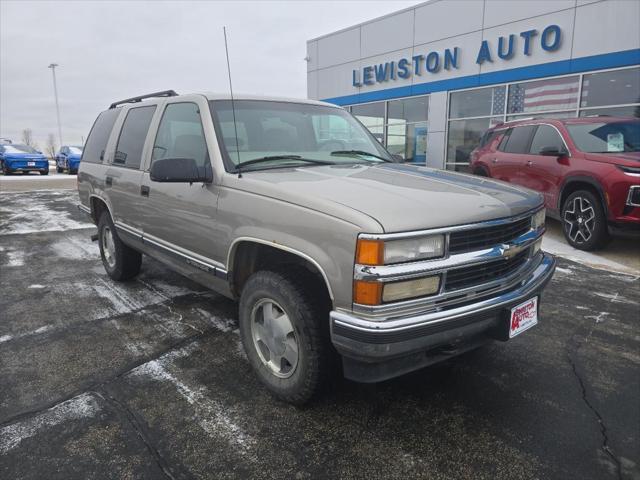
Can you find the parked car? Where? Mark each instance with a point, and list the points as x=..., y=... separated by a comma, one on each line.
x=68, y=158
x=588, y=170
x=19, y=158
x=333, y=253
x=5, y=141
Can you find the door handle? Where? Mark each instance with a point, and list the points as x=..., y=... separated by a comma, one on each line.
x=529, y=163
x=144, y=190
x=109, y=181
x=494, y=160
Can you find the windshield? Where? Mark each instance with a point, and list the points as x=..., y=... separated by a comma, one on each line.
x=75, y=150
x=606, y=137
x=285, y=133
x=19, y=148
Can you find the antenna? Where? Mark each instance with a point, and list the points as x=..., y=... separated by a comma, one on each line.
x=233, y=107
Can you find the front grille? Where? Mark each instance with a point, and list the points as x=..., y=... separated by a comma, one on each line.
x=479, y=238
x=463, y=277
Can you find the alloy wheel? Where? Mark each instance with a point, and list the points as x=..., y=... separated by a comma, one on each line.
x=580, y=220
x=108, y=247
x=274, y=338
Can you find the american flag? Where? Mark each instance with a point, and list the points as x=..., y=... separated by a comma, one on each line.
x=555, y=94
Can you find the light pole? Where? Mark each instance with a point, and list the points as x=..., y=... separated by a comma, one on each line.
x=55, y=92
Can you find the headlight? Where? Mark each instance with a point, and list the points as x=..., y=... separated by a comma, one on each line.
x=377, y=252
x=537, y=221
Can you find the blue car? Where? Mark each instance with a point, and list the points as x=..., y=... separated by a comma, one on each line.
x=18, y=158
x=68, y=158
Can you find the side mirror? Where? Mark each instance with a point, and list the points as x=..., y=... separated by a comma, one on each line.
x=552, y=152
x=179, y=170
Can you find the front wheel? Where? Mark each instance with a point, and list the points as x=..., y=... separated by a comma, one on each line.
x=584, y=222
x=281, y=329
x=46, y=172
x=120, y=261
x=5, y=170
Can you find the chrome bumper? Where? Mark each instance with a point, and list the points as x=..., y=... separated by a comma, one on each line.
x=376, y=341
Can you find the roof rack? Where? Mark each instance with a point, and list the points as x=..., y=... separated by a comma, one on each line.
x=164, y=93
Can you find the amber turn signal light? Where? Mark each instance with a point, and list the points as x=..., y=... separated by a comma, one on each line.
x=370, y=252
x=367, y=293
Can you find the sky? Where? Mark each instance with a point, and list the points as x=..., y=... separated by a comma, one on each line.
x=110, y=50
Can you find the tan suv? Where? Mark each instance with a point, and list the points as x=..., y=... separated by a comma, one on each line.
x=333, y=250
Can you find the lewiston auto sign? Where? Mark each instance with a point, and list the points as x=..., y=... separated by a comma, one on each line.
x=433, y=62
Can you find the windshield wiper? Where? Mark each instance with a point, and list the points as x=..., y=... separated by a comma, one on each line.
x=282, y=157
x=358, y=152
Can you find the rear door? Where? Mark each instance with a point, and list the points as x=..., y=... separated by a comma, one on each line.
x=123, y=175
x=511, y=156
x=544, y=173
x=181, y=217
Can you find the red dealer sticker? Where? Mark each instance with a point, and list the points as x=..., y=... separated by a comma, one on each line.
x=523, y=317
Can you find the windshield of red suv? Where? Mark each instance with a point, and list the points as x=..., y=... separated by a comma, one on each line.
x=606, y=137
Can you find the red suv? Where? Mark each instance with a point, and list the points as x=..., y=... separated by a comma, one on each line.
x=588, y=170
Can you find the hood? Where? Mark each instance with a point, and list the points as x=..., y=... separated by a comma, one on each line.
x=399, y=197
x=622, y=158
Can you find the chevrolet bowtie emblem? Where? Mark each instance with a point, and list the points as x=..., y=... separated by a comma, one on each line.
x=510, y=250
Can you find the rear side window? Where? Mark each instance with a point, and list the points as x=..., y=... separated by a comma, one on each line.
x=180, y=135
x=545, y=136
x=489, y=137
x=519, y=140
x=99, y=136
x=132, y=136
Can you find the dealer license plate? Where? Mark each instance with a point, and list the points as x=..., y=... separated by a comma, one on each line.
x=523, y=317
x=31, y=164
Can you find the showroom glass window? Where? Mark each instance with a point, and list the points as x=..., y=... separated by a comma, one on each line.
x=372, y=116
x=406, y=130
x=471, y=113
x=548, y=95
x=604, y=93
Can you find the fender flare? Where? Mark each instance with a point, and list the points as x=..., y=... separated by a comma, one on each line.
x=583, y=179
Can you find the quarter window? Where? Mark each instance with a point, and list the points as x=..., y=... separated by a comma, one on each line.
x=519, y=139
x=545, y=136
x=180, y=135
x=99, y=136
x=132, y=136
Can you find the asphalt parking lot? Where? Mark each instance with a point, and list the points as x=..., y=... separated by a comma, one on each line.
x=147, y=379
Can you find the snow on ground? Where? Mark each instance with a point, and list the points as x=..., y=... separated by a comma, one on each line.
x=82, y=406
x=562, y=249
x=24, y=178
x=40, y=211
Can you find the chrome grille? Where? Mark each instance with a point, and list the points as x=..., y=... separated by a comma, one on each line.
x=479, y=238
x=463, y=277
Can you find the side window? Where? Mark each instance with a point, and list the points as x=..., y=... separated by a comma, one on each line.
x=519, y=139
x=132, y=136
x=180, y=134
x=545, y=136
x=505, y=139
x=99, y=136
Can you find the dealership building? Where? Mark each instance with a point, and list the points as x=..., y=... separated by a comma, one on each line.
x=430, y=79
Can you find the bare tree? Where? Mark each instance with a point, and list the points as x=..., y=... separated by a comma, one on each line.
x=51, y=146
x=27, y=137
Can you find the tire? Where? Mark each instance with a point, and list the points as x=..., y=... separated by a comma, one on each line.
x=5, y=171
x=58, y=169
x=120, y=261
x=481, y=172
x=299, y=380
x=584, y=222
x=46, y=172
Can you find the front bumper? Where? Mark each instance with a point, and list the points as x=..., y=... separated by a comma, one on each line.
x=377, y=350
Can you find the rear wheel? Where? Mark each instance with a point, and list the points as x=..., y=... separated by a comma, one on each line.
x=281, y=330
x=584, y=222
x=58, y=169
x=46, y=172
x=120, y=261
x=5, y=170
